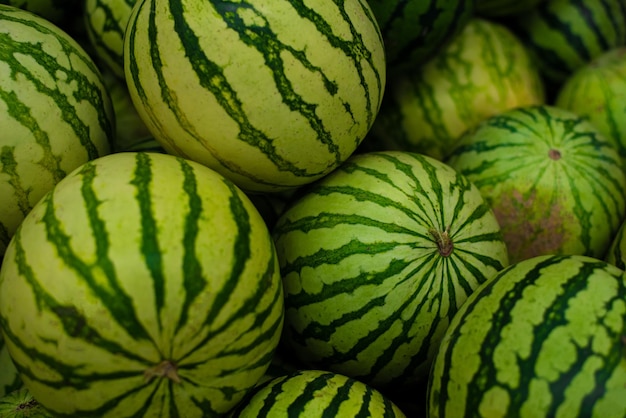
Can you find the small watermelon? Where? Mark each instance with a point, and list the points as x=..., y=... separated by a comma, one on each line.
x=542, y=338
x=316, y=394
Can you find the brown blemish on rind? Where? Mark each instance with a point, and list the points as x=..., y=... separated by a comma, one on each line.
x=554, y=154
x=164, y=369
x=531, y=226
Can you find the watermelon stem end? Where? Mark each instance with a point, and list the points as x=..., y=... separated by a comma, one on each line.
x=443, y=240
x=166, y=368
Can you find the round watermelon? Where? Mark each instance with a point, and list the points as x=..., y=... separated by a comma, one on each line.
x=542, y=338
x=55, y=112
x=555, y=183
x=143, y=284
x=272, y=94
x=375, y=259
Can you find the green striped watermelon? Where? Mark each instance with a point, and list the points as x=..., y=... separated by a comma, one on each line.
x=597, y=91
x=554, y=182
x=414, y=30
x=316, y=394
x=9, y=376
x=21, y=404
x=143, y=285
x=375, y=259
x=542, y=338
x=483, y=71
x=564, y=35
x=105, y=23
x=272, y=94
x=55, y=112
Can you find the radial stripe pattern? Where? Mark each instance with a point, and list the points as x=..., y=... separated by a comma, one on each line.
x=275, y=94
x=150, y=286
x=543, y=338
x=376, y=258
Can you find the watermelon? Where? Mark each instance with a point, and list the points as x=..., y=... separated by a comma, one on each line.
x=143, y=284
x=316, y=394
x=21, y=404
x=272, y=94
x=105, y=24
x=414, y=30
x=542, y=338
x=564, y=35
x=483, y=71
x=375, y=259
x=555, y=183
x=597, y=91
x=55, y=112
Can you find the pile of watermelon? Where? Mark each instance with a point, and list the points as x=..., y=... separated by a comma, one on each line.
x=356, y=208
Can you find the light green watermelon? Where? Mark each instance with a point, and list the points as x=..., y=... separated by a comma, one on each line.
x=542, y=338
x=375, y=259
x=55, y=112
x=597, y=91
x=316, y=394
x=272, y=94
x=555, y=183
x=482, y=72
x=143, y=285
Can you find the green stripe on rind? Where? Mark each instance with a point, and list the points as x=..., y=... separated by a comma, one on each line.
x=377, y=236
x=316, y=392
x=583, y=185
x=565, y=35
x=222, y=89
x=255, y=320
x=479, y=340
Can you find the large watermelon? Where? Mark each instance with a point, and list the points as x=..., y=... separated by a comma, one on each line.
x=597, y=91
x=564, y=35
x=142, y=285
x=483, y=71
x=376, y=258
x=542, y=338
x=55, y=112
x=554, y=182
x=415, y=30
x=273, y=94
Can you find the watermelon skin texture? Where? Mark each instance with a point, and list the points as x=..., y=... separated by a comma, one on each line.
x=415, y=30
x=316, y=393
x=9, y=376
x=554, y=182
x=149, y=286
x=369, y=287
x=564, y=35
x=597, y=91
x=542, y=338
x=55, y=112
x=272, y=94
x=484, y=70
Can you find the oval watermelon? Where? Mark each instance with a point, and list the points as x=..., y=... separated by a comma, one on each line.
x=142, y=285
x=272, y=94
x=55, y=112
x=375, y=259
x=542, y=338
